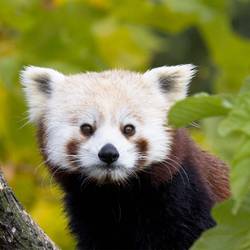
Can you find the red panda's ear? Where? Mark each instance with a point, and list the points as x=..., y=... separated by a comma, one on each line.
x=172, y=80
x=38, y=85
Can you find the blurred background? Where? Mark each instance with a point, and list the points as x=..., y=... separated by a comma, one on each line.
x=94, y=35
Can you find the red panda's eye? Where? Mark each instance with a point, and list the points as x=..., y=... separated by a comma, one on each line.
x=129, y=130
x=87, y=129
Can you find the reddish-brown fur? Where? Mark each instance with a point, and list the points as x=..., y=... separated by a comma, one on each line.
x=214, y=172
x=72, y=149
x=142, y=148
x=42, y=138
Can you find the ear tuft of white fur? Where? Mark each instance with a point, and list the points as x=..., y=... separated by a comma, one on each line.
x=173, y=80
x=38, y=85
x=31, y=74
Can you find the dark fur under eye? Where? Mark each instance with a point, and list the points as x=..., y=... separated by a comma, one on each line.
x=87, y=129
x=129, y=130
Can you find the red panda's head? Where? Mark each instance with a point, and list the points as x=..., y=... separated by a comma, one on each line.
x=106, y=125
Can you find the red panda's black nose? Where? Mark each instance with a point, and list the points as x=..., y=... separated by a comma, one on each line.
x=108, y=154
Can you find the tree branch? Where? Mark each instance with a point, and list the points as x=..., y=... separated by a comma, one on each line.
x=17, y=229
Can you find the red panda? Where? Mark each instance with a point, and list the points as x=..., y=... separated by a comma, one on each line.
x=130, y=181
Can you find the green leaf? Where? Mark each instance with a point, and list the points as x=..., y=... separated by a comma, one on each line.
x=240, y=181
x=232, y=231
x=238, y=119
x=197, y=107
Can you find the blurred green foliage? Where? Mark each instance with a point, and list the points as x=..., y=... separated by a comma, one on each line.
x=81, y=35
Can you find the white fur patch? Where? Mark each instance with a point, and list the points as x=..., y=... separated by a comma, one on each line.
x=180, y=76
x=35, y=98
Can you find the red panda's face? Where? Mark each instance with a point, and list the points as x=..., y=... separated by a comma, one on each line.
x=106, y=125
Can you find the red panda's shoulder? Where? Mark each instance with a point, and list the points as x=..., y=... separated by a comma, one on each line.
x=213, y=172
